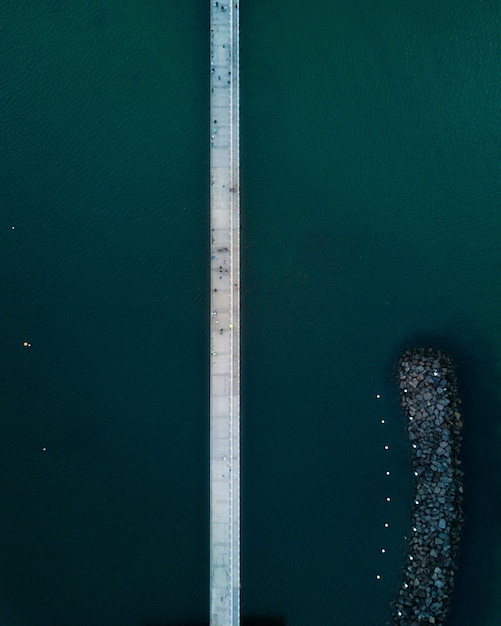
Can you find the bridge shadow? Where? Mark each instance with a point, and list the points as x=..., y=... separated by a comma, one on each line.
x=480, y=386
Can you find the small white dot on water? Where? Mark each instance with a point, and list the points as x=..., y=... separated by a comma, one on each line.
x=387, y=447
x=382, y=421
x=386, y=525
x=383, y=550
x=378, y=577
x=387, y=473
x=388, y=499
x=378, y=395
x=44, y=449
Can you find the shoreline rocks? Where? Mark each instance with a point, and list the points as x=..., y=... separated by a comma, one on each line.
x=430, y=399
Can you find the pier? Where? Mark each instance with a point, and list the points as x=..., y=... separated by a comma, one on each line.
x=224, y=316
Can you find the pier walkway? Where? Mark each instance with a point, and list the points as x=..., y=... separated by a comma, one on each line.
x=225, y=317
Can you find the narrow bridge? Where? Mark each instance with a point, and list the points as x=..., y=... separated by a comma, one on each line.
x=224, y=316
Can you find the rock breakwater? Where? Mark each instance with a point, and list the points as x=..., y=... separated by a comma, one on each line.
x=430, y=399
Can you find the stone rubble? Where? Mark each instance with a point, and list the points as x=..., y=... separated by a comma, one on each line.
x=430, y=399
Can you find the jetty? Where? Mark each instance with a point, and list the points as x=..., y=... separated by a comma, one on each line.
x=430, y=398
x=224, y=316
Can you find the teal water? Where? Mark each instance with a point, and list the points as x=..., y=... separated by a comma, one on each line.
x=104, y=177
x=370, y=195
x=371, y=214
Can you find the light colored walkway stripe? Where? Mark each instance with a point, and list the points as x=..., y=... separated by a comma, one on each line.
x=225, y=317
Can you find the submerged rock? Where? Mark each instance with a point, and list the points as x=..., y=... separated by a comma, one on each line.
x=430, y=399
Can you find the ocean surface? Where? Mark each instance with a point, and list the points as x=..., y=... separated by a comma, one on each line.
x=371, y=188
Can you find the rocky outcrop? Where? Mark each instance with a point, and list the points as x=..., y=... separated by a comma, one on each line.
x=430, y=399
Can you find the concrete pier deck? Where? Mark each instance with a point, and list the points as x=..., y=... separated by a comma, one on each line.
x=224, y=316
